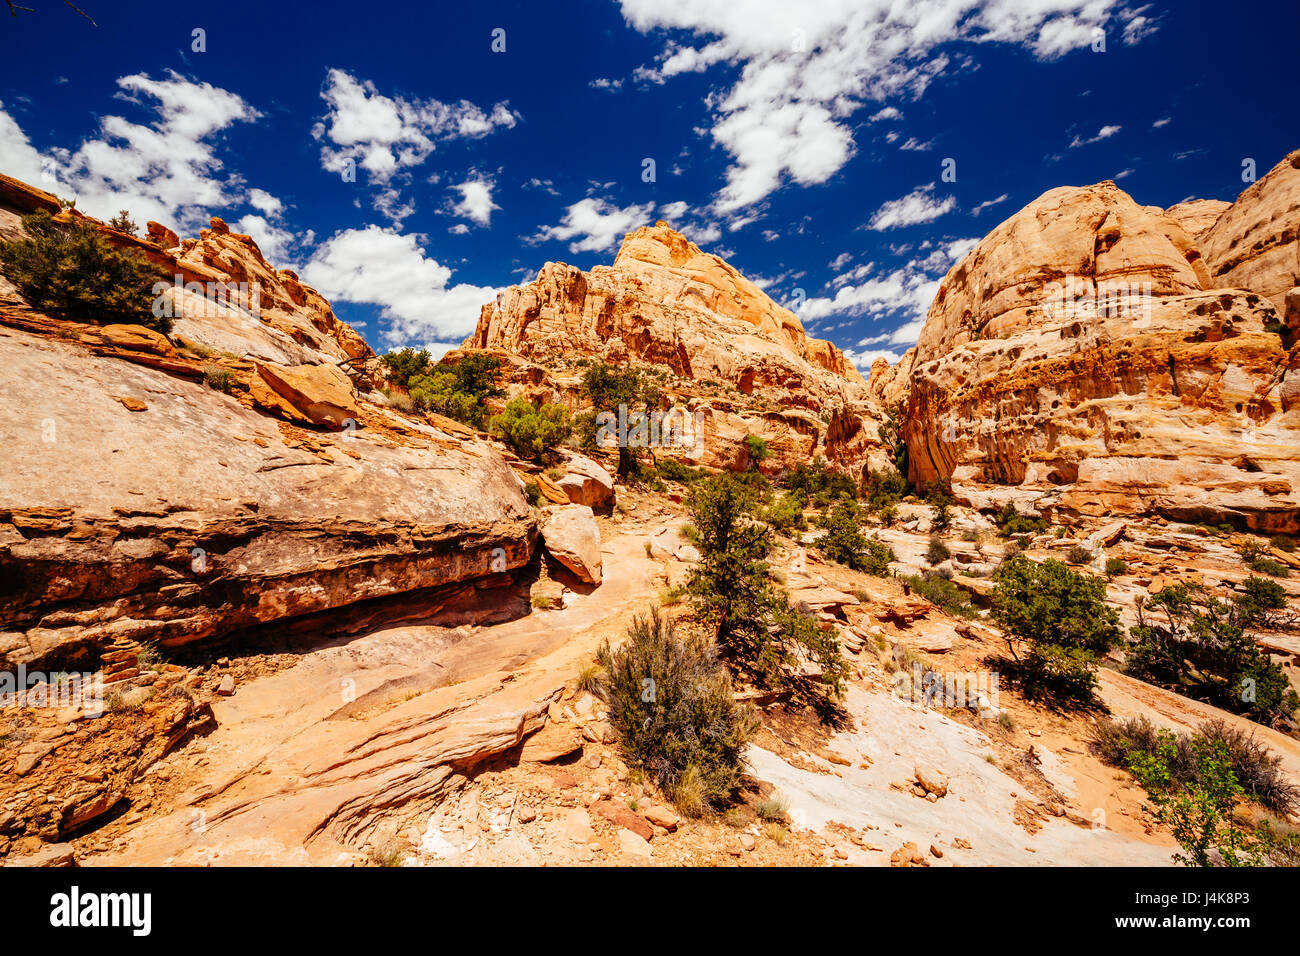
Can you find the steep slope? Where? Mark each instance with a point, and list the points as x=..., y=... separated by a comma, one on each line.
x=739, y=358
x=1091, y=356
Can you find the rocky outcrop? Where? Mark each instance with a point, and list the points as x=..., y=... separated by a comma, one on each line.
x=725, y=350
x=1255, y=243
x=1084, y=357
x=171, y=490
x=197, y=516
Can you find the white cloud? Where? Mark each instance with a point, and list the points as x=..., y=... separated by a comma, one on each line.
x=167, y=171
x=386, y=136
x=840, y=261
x=1106, y=132
x=1123, y=173
x=918, y=206
x=915, y=145
x=594, y=225
x=388, y=269
x=989, y=204
x=264, y=202
x=806, y=69
x=476, y=202
x=1163, y=121
x=888, y=113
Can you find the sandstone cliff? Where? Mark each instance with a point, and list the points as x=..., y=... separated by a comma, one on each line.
x=237, y=474
x=1091, y=355
x=740, y=359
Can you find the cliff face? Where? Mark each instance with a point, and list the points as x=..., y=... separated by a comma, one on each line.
x=1096, y=356
x=173, y=490
x=666, y=303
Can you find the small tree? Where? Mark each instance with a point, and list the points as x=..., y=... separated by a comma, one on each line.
x=844, y=542
x=756, y=630
x=531, y=431
x=1063, y=621
x=123, y=222
x=71, y=270
x=756, y=449
x=610, y=389
x=1190, y=641
x=940, y=501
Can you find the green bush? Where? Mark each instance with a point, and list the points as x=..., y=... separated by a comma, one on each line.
x=756, y=449
x=673, y=470
x=1282, y=543
x=1257, y=600
x=458, y=389
x=72, y=271
x=1274, y=569
x=937, y=552
x=941, y=591
x=1079, y=555
x=939, y=498
x=1115, y=567
x=123, y=222
x=608, y=387
x=1062, y=619
x=1190, y=641
x=1011, y=522
x=845, y=543
x=406, y=364
x=222, y=379
x=1197, y=808
x=529, y=430
x=884, y=489
x=818, y=481
x=1256, y=767
x=672, y=706
x=786, y=513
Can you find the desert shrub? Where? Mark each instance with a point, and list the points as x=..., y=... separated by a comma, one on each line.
x=533, y=493
x=1190, y=641
x=608, y=388
x=773, y=809
x=817, y=481
x=756, y=630
x=531, y=431
x=673, y=470
x=405, y=364
x=222, y=379
x=457, y=390
x=1078, y=555
x=1193, y=790
x=1274, y=569
x=756, y=449
x=1282, y=543
x=845, y=543
x=939, y=498
x=1258, y=598
x=937, y=552
x=1257, y=768
x=1011, y=522
x=1063, y=621
x=884, y=489
x=940, y=591
x=887, y=515
x=1116, y=566
x=786, y=513
x=71, y=270
x=672, y=706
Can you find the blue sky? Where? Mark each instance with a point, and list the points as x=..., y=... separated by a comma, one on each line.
x=409, y=170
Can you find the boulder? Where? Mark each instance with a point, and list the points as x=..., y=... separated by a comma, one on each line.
x=323, y=394
x=587, y=483
x=136, y=338
x=571, y=536
x=931, y=780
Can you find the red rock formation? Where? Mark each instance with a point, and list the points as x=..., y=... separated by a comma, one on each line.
x=1091, y=356
x=739, y=358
